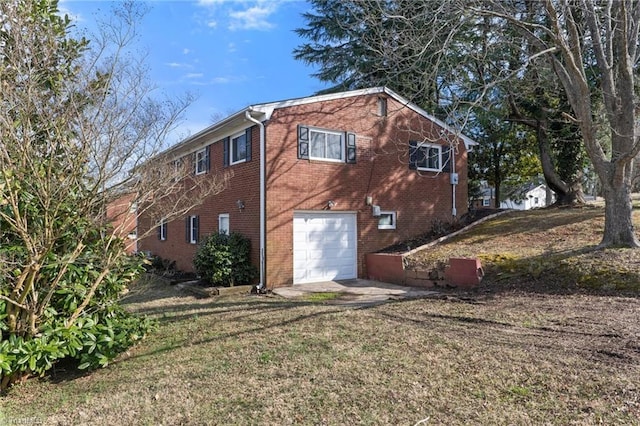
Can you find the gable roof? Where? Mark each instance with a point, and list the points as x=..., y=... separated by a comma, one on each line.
x=264, y=112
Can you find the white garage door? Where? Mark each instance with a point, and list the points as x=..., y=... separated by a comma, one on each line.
x=324, y=247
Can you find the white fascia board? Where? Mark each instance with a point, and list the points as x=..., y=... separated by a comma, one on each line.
x=227, y=127
x=468, y=142
x=268, y=108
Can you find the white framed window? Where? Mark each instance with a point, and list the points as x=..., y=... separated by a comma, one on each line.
x=202, y=161
x=162, y=230
x=326, y=145
x=238, y=149
x=486, y=202
x=193, y=223
x=223, y=223
x=177, y=170
x=429, y=157
x=387, y=220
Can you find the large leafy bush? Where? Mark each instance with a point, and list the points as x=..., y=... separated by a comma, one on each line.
x=225, y=260
x=34, y=340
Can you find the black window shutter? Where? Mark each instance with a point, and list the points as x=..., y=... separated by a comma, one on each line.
x=225, y=154
x=351, y=148
x=187, y=231
x=208, y=159
x=194, y=159
x=196, y=225
x=413, y=155
x=248, y=139
x=303, y=142
x=160, y=231
x=446, y=158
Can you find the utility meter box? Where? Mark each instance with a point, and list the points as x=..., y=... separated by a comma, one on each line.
x=376, y=211
x=454, y=178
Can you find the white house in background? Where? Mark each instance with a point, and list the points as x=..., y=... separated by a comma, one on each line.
x=529, y=197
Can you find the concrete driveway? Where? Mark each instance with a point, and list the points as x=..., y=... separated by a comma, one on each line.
x=358, y=291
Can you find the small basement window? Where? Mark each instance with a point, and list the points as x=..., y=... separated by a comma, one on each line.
x=387, y=220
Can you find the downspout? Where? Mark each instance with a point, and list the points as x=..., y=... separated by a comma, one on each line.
x=263, y=233
x=452, y=158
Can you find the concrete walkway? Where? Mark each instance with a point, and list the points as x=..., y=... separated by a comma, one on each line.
x=358, y=291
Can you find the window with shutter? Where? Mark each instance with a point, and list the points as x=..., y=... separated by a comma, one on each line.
x=326, y=145
x=225, y=153
x=202, y=160
x=162, y=230
x=446, y=158
x=303, y=142
x=192, y=229
x=239, y=146
x=351, y=148
x=425, y=156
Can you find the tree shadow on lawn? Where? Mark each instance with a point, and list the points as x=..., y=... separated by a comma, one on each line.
x=516, y=222
x=599, y=345
x=588, y=270
x=259, y=327
x=168, y=314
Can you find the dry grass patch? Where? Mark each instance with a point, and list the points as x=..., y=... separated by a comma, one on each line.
x=549, y=250
x=501, y=359
x=548, y=338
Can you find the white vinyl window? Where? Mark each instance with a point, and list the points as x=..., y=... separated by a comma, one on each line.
x=387, y=220
x=238, y=148
x=429, y=157
x=326, y=145
x=177, y=170
x=223, y=223
x=193, y=223
x=201, y=161
x=162, y=230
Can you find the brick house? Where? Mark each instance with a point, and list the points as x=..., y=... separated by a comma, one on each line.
x=121, y=215
x=318, y=182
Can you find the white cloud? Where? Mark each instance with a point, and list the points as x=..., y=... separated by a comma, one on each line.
x=186, y=51
x=212, y=24
x=194, y=75
x=231, y=47
x=177, y=65
x=254, y=18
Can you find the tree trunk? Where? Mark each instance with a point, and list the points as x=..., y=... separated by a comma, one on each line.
x=618, y=220
x=497, y=176
x=574, y=195
x=567, y=193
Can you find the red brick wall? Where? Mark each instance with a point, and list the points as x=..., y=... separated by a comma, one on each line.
x=123, y=220
x=244, y=185
x=382, y=172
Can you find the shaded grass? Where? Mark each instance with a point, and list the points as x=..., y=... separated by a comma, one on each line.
x=508, y=359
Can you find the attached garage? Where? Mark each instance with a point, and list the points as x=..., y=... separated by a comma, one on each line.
x=324, y=246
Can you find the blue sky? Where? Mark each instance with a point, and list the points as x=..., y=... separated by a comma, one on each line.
x=231, y=54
